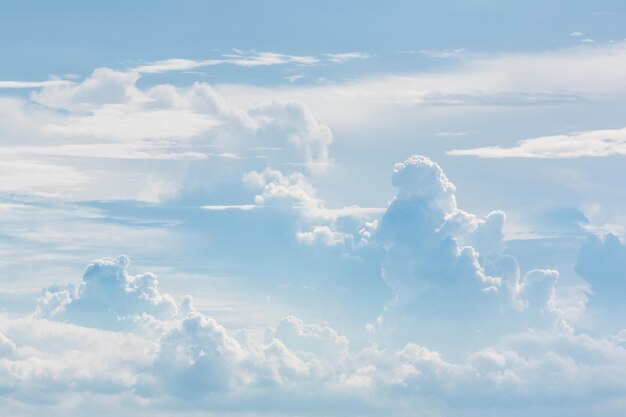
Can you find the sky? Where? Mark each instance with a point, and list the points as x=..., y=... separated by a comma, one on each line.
x=297, y=208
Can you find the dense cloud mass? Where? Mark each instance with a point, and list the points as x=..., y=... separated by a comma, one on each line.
x=194, y=362
x=449, y=267
x=466, y=327
x=118, y=334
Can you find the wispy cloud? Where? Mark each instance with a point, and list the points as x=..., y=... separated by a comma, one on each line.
x=238, y=58
x=33, y=84
x=247, y=59
x=347, y=56
x=593, y=143
x=444, y=53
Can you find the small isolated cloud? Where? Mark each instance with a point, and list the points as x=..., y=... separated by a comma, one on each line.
x=594, y=143
x=444, y=53
x=451, y=134
x=576, y=34
x=347, y=56
x=294, y=78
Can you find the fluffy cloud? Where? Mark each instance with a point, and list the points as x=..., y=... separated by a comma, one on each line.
x=316, y=223
x=450, y=270
x=195, y=362
x=198, y=357
x=299, y=336
x=104, y=87
x=109, y=119
x=108, y=297
x=419, y=233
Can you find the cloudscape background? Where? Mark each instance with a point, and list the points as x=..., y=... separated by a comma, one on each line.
x=298, y=208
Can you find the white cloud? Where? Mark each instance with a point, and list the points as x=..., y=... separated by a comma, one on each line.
x=421, y=249
x=198, y=357
x=595, y=143
x=245, y=59
x=108, y=297
x=34, y=84
x=195, y=363
x=238, y=58
x=323, y=234
x=38, y=178
x=7, y=347
x=103, y=86
x=451, y=267
x=107, y=117
x=446, y=53
x=584, y=72
x=347, y=56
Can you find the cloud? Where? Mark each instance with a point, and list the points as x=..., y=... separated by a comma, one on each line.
x=339, y=58
x=38, y=178
x=299, y=336
x=602, y=263
x=190, y=362
x=198, y=357
x=108, y=297
x=108, y=118
x=595, y=143
x=314, y=222
x=446, y=53
x=323, y=234
x=7, y=347
x=246, y=59
x=450, y=267
x=237, y=58
x=421, y=250
x=104, y=86
x=34, y=84
x=586, y=72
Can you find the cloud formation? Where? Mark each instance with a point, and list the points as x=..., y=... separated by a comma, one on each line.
x=449, y=268
x=595, y=143
x=108, y=118
x=195, y=363
x=108, y=297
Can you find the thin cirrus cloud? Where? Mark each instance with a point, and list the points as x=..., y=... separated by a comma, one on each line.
x=247, y=59
x=595, y=143
x=33, y=84
x=586, y=72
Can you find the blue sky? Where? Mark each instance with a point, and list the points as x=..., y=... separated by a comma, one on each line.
x=277, y=208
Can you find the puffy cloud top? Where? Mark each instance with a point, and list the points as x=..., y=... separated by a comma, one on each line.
x=419, y=177
x=107, y=297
